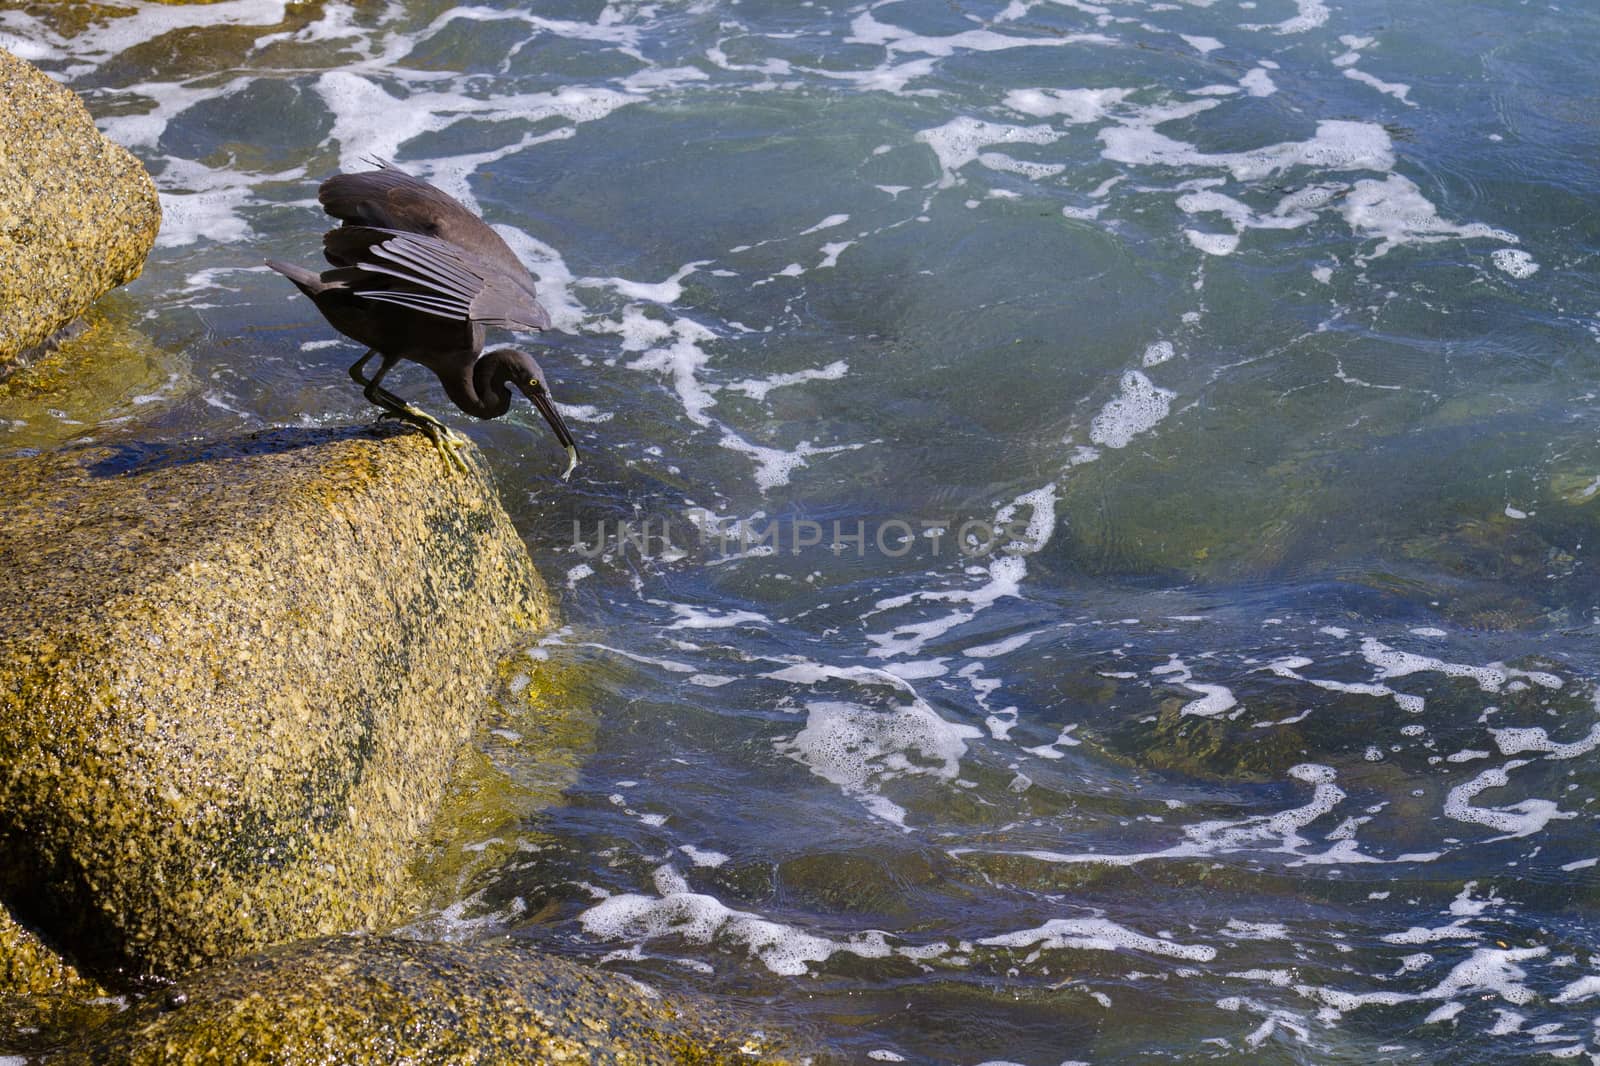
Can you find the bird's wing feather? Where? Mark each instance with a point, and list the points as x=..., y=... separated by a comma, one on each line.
x=453, y=282
x=388, y=199
x=415, y=301
x=503, y=303
x=435, y=263
x=392, y=199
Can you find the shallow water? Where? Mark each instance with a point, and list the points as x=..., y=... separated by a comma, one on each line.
x=1259, y=337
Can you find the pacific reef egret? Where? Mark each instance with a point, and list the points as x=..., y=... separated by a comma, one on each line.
x=418, y=276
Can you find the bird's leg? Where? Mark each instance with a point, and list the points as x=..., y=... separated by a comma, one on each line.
x=444, y=438
x=393, y=406
x=355, y=371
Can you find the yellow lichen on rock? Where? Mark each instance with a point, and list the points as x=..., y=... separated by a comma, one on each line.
x=374, y=1001
x=30, y=967
x=233, y=678
x=78, y=214
x=42, y=996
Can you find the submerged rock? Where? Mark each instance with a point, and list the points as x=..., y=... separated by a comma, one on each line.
x=359, y=1000
x=105, y=373
x=41, y=995
x=78, y=214
x=233, y=678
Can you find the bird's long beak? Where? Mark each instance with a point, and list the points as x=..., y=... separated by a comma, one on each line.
x=541, y=399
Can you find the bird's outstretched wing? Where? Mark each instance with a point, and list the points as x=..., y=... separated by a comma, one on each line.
x=441, y=278
x=389, y=198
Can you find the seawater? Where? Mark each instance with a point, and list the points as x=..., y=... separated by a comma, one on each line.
x=1261, y=335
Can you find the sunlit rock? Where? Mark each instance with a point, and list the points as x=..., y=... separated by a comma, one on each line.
x=78, y=213
x=359, y=1000
x=234, y=676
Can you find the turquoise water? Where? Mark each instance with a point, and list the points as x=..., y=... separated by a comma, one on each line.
x=1265, y=333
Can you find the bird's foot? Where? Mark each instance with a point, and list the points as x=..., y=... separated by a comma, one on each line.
x=446, y=440
x=449, y=444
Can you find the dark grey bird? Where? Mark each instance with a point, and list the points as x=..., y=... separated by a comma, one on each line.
x=418, y=276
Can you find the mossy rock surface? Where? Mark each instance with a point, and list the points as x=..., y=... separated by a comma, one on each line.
x=359, y=1000
x=233, y=678
x=78, y=214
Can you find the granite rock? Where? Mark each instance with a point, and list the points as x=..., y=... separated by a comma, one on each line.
x=375, y=1000
x=234, y=676
x=78, y=214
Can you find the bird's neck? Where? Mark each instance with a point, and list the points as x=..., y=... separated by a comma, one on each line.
x=479, y=388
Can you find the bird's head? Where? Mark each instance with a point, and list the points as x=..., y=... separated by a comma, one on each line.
x=525, y=374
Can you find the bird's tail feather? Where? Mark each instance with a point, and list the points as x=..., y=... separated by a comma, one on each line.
x=305, y=279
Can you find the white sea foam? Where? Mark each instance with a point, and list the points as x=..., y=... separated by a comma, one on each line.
x=202, y=203
x=1398, y=90
x=1395, y=212
x=1139, y=407
x=1515, y=261
x=702, y=919
x=662, y=292
x=757, y=388
x=354, y=99
x=1006, y=164
x=866, y=29
x=858, y=748
x=1577, y=991
x=692, y=617
x=1041, y=523
x=1468, y=903
x=1534, y=738
x=1097, y=934
x=1392, y=662
x=1337, y=145
x=101, y=38
x=1258, y=83
x=1417, y=934
x=1214, y=700
x=1158, y=353
x=1444, y=1012
x=1489, y=971
x=1004, y=574
x=827, y=223
x=806, y=672
x=774, y=466
x=962, y=140
x=1272, y=833
x=1063, y=739
x=703, y=856
x=1309, y=15
x=1001, y=647
x=1291, y=212
x=1257, y=930
x=1520, y=819
x=1075, y=106
x=1213, y=243
x=682, y=362
x=1291, y=666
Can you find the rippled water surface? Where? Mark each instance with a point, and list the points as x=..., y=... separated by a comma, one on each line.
x=1262, y=336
